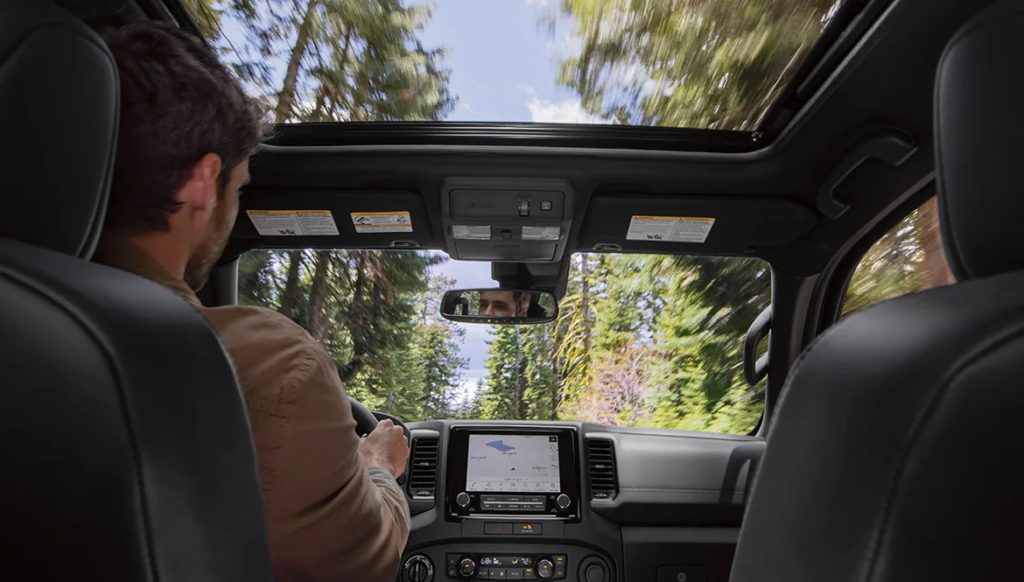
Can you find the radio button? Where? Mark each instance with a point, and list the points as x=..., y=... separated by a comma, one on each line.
x=563, y=501
x=499, y=574
x=515, y=573
x=529, y=574
x=483, y=574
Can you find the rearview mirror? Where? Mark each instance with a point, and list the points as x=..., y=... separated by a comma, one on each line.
x=501, y=306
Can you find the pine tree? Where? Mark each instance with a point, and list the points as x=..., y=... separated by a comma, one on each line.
x=689, y=63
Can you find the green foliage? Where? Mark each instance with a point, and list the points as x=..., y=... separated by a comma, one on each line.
x=908, y=258
x=688, y=63
x=437, y=352
x=345, y=60
x=641, y=340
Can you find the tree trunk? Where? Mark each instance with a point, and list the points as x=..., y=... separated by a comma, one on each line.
x=292, y=294
x=555, y=386
x=585, y=302
x=327, y=94
x=286, y=97
x=318, y=295
x=518, y=375
x=355, y=320
x=929, y=237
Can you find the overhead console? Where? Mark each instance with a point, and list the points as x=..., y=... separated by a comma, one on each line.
x=506, y=219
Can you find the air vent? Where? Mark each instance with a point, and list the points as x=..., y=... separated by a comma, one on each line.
x=423, y=467
x=601, y=455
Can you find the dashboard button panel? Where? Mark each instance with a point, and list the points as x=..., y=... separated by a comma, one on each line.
x=507, y=567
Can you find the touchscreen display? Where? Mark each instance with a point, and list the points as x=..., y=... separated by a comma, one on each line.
x=512, y=463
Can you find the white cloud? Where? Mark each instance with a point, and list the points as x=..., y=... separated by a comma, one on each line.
x=568, y=111
x=528, y=89
x=540, y=3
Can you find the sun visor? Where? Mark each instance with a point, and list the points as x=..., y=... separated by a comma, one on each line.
x=691, y=224
x=333, y=218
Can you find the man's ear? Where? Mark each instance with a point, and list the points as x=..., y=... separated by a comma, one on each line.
x=200, y=190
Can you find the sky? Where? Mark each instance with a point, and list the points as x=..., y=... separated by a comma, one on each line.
x=504, y=60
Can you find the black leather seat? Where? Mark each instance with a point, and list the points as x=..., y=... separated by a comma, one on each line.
x=896, y=454
x=123, y=438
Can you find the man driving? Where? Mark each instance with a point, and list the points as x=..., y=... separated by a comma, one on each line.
x=501, y=303
x=333, y=508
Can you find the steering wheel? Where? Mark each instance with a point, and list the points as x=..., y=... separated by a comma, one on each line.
x=366, y=421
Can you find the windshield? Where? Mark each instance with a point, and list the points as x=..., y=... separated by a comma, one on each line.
x=715, y=64
x=640, y=340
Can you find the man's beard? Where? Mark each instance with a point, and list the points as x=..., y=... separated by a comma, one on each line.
x=197, y=271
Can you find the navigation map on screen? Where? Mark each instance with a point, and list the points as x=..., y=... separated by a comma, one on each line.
x=512, y=463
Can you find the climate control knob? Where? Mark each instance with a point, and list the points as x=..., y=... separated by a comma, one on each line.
x=467, y=568
x=563, y=501
x=462, y=500
x=545, y=568
x=418, y=568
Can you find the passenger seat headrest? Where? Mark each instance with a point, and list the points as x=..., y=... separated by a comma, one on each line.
x=59, y=101
x=979, y=122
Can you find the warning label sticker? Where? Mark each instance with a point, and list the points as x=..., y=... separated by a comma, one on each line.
x=371, y=222
x=293, y=222
x=691, y=229
x=470, y=232
x=541, y=232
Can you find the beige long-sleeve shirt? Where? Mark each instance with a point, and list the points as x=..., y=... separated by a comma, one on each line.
x=329, y=515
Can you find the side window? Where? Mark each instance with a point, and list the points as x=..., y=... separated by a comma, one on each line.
x=907, y=259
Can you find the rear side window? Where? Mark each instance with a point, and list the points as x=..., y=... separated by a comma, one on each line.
x=908, y=258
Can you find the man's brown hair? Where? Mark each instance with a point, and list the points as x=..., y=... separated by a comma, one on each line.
x=178, y=103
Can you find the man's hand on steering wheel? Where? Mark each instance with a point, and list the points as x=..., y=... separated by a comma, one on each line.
x=386, y=447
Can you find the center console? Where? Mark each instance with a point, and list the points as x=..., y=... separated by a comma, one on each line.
x=511, y=507
x=522, y=473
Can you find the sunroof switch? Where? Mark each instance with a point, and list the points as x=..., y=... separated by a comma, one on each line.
x=524, y=206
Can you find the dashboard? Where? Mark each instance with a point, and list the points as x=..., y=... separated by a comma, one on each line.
x=526, y=500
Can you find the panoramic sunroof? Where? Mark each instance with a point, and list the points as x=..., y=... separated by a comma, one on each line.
x=704, y=64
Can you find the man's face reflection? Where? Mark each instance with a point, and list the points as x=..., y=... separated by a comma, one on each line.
x=504, y=304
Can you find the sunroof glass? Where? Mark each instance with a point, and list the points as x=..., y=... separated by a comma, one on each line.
x=706, y=64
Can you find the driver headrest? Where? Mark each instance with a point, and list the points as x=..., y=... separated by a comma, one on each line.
x=58, y=111
x=979, y=119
